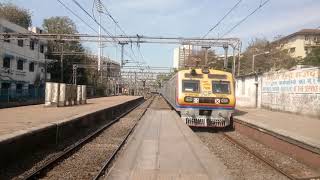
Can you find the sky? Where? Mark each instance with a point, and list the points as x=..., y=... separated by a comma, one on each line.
x=188, y=18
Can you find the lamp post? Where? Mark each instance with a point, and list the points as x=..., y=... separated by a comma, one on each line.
x=253, y=58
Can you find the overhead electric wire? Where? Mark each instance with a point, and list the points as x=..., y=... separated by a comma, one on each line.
x=69, y=9
x=218, y=23
x=245, y=18
x=102, y=27
x=75, y=14
x=106, y=31
x=107, y=13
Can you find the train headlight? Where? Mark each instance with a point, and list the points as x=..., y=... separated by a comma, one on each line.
x=224, y=101
x=188, y=99
x=205, y=71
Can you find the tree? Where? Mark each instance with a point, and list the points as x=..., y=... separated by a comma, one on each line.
x=64, y=25
x=275, y=59
x=313, y=58
x=15, y=14
x=59, y=25
x=197, y=59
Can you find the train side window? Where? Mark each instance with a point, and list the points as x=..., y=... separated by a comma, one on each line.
x=190, y=86
x=221, y=87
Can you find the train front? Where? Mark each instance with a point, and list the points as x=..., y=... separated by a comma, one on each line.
x=206, y=97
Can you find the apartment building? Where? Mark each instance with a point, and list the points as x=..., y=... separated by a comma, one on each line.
x=22, y=62
x=180, y=55
x=300, y=43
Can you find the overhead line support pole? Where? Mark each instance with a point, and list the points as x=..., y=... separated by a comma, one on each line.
x=225, y=64
x=122, y=51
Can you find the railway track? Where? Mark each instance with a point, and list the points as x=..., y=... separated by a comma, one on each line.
x=265, y=160
x=258, y=156
x=68, y=152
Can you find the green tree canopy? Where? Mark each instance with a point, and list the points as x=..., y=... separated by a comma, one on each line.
x=313, y=58
x=64, y=25
x=59, y=25
x=275, y=59
x=15, y=14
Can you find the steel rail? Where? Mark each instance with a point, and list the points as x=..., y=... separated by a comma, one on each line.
x=72, y=148
x=258, y=156
x=107, y=163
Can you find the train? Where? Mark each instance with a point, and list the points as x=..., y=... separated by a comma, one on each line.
x=203, y=97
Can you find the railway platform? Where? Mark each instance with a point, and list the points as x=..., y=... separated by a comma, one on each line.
x=163, y=147
x=293, y=134
x=27, y=128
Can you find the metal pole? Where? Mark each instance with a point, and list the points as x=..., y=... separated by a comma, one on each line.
x=45, y=70
x=234, y=62
x=61, y=64
x=206, y=48
x=225, y=64
x=122, y=52
x=74, y=79
x=184, y=57
x=122, y=49
x=135, y=83
x=253, y=56
x=99, y=44
x=239, y=56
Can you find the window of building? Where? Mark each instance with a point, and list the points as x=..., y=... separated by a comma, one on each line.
x=20, y=42
x=292, y=50
x=20, y=64
x=41, y=48
x=31, y=67
x=6, y=38
x=5, y=85
x=6, y=62
x=306, y=38
x=31, y=44
x=30, y=86
x=19, y=88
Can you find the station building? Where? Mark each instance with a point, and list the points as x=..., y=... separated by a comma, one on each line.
x=22, y=63
x=300, y=43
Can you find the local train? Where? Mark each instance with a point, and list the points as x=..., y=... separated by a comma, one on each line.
x=203, y=97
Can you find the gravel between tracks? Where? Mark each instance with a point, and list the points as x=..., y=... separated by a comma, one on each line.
x=87, y=161
x=241, y=165
x=284, y=162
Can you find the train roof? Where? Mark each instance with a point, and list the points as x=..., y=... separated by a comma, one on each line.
x=211, y=71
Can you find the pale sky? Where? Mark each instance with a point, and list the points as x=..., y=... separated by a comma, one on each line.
x=184, y=18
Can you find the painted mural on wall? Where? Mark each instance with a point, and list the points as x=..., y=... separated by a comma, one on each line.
x=297, y=81
x=295, y=91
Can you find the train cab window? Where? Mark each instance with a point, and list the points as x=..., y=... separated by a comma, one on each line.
x=221, y=87
x=190, y=86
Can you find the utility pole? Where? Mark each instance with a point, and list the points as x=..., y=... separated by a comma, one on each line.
x=253, y=59
x=225, y=64
x=74, y=74
x=234, y=62
x=122, y=51
x=239, y=56
x=184, y=57
x=135, y=83
x=100, y=10
x=61, y=64
x=206, y=54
